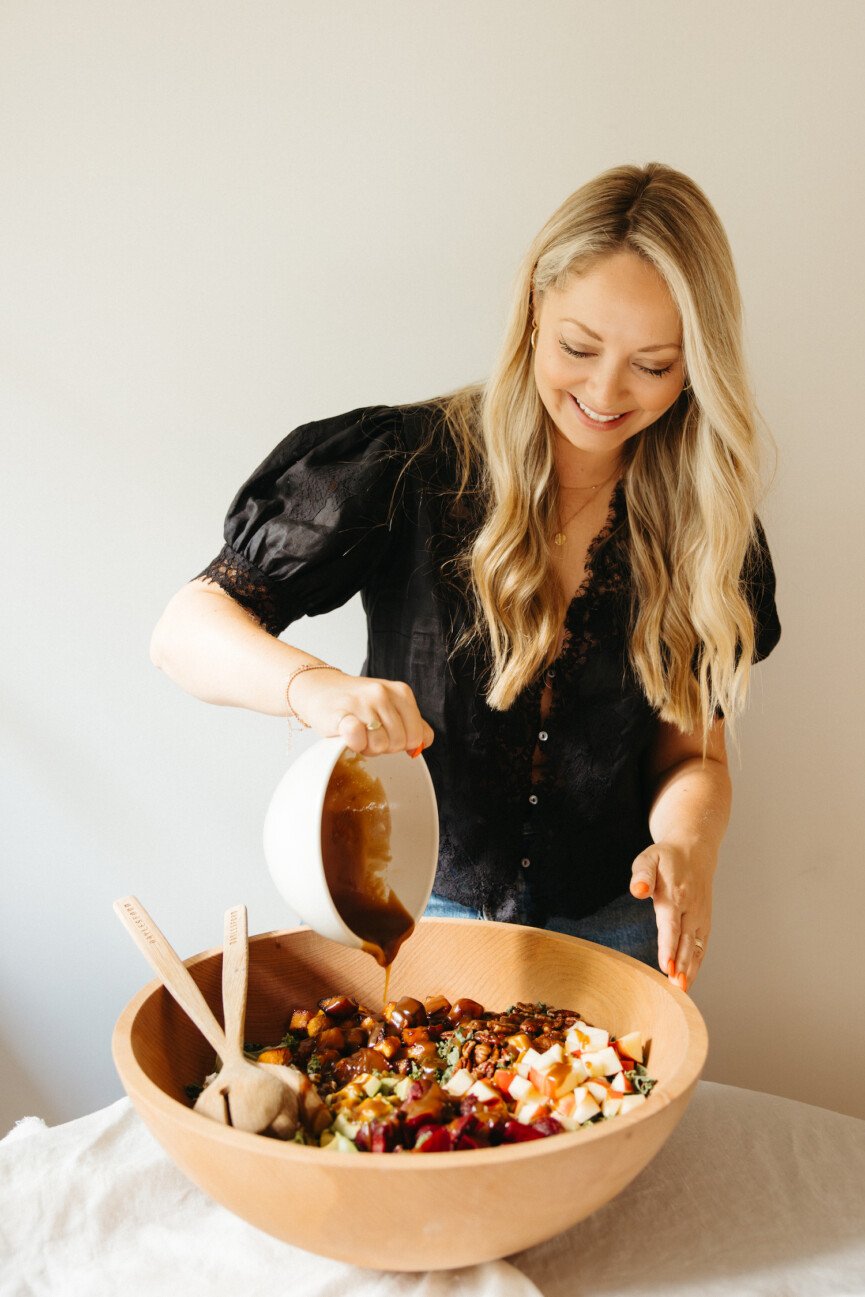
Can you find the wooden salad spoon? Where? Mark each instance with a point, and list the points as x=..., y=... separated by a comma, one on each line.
x=244, y=1094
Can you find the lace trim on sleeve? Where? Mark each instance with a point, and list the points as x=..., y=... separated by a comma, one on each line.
x=247, y=585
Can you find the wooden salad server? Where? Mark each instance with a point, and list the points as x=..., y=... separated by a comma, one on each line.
x=244, y=1094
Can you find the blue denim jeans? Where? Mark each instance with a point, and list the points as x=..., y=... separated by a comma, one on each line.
x=625, y=924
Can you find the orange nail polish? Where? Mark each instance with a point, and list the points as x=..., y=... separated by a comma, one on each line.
x=671, y=968
x=417, y=751
x=641, y=889
x=683, y=981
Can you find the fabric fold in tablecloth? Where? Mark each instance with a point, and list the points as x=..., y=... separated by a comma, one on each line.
x=95, y=1208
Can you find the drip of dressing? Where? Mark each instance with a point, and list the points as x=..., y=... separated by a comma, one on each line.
x=355, y=848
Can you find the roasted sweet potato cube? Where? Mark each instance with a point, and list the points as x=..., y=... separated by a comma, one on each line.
x=412, y=1035
x=338, y=1006
x=436, y=1006
x=464, y=1010
x=407, y=1012
x=390, y=1047
x=274, y=1056
x=318, y=1023
x=300, y=1019
x=331, y=1038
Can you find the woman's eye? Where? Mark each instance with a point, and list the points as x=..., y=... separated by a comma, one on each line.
x=583, y=355
x=657, y=373
x=571, y=351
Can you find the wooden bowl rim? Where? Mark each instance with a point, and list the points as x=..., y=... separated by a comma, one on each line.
x=661, y=1097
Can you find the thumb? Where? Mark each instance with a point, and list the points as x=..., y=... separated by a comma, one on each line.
x=644, y=872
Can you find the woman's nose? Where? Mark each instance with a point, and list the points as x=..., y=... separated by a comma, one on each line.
x=606, y=390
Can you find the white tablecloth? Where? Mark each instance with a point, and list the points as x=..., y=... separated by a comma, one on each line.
x=752, y=1196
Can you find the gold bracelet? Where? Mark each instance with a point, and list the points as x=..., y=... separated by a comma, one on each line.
x=308, y=666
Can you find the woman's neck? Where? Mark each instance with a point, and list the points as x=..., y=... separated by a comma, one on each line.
x=579, y=468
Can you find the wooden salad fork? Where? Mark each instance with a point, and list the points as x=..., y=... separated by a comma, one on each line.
x=244, y=1094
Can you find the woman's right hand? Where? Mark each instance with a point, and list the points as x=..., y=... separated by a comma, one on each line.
x=335, y=704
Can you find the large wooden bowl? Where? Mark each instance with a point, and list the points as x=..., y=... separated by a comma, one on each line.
x=406, y=1211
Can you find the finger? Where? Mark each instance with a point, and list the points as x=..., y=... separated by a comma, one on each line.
x=391, y=737
x=644, y=873
x=353, y=733
x=669, y=933
x=418, y=734
x=688, y=955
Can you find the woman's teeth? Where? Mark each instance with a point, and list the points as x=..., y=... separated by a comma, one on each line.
x=599, y=418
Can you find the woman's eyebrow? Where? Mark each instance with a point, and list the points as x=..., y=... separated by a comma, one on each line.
x=657, y=346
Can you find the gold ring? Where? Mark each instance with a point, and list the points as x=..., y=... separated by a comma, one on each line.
x=699, y=944
x=374, y=725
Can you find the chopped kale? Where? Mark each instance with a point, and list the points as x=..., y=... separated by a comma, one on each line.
x=640, y=1079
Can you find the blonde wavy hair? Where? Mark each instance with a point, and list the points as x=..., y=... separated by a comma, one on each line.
x=691, y=481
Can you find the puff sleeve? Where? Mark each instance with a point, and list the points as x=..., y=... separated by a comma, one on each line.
x=758, y=578
x=312, y=524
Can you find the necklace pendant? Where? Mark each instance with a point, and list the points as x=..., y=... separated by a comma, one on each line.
x=559, y=538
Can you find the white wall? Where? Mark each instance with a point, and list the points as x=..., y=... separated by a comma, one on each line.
x=221, y=219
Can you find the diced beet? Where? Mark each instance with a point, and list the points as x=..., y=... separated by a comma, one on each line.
x=432, y=1108
x=467, y=1141
x=433, y=1139
x=516, y=1133
x=548, y=1126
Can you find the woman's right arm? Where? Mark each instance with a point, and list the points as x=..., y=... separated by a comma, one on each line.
x=214, y=649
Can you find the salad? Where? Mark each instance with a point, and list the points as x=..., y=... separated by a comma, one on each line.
x=436, y=1076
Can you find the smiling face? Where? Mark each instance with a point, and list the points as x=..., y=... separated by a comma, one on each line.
x=608, y=355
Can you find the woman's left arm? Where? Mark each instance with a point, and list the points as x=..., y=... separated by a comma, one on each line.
x=688, y=815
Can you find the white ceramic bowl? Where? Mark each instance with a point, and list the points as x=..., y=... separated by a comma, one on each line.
x=292, y=835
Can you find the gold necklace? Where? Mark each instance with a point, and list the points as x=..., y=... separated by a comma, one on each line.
x=561, y=535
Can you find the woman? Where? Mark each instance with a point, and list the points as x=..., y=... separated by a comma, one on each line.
x=563, y=575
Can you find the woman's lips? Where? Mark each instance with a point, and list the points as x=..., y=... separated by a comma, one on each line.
x=596, y=423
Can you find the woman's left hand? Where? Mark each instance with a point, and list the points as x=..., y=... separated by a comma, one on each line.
x=679, y=881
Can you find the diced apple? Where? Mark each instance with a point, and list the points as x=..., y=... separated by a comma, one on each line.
x=610, y=1107
x=631, y=1045
x=598, y=1090
x=586, y=1106
x=460, y=1083
x=546, y=1060
x=621, y=1084
x=579, y=1069
x=602, y=1062
x=563, y=1079
x=631, y=1101
x=502, y=1079
x=559, y=1079
x=530, y=1110
x=520, y=1087
x=566, y=1105
x=582, y=1036
x=531, y=1058
x=485, y=1093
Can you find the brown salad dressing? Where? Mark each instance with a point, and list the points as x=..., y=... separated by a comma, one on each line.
x=355, y=848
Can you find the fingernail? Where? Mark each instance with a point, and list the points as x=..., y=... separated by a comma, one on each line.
x=671, y=968
x=641, y=889
x=417, y=751
x=683, y=981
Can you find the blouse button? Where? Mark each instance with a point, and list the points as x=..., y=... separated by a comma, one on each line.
x=533, y=800
x=525, y=862
x=543, y=736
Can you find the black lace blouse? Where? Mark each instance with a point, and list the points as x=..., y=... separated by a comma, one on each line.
x=364, y=502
